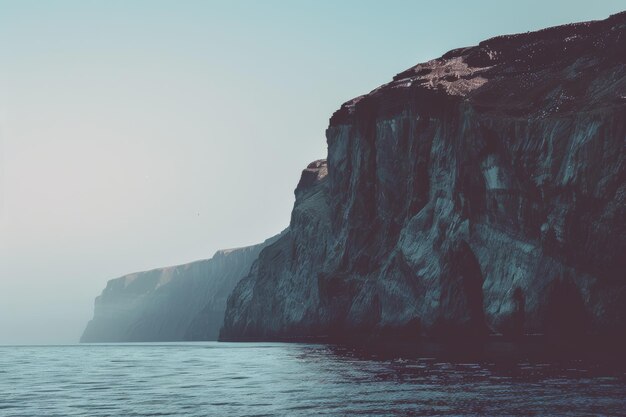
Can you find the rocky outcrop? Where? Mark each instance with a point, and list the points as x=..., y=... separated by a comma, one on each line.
x=481, y=192
x=184, y=302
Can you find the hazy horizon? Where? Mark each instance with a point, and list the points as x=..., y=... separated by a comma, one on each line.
x=137, y=135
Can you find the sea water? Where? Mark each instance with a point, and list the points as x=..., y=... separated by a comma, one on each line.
x=276, y=379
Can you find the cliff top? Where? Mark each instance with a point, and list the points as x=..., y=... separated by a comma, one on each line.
x=558, y=70
x=162, y=275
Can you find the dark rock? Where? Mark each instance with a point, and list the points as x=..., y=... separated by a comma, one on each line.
x=456, y=198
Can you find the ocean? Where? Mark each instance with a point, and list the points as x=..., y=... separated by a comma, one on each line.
x=281, y=379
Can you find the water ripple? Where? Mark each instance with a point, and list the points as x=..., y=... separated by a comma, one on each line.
x=265, y=379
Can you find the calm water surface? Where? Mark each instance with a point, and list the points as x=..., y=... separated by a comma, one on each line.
x=261, y=379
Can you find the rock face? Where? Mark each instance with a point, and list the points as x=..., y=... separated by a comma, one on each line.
x=184, y=302
x=481, y=192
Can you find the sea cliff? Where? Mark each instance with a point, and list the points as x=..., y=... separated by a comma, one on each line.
x=183, y=302
x=478, y=193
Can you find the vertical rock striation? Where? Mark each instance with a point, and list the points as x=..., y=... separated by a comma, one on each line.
x=184, y=302
x=481, y=192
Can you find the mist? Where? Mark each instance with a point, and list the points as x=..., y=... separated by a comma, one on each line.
x=135, y=135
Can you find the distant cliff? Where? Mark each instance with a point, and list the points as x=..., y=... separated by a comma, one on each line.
x=481, y=192
x=184, y=302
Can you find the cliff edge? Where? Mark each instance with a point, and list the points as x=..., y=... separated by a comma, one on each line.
x=478, y=193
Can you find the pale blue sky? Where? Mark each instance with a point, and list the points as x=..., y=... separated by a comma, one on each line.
x=139, y=134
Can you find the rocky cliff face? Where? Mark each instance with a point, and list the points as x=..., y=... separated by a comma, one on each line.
x=184, y=302
x=481, y=192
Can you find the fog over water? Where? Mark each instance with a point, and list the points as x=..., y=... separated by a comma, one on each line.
x=135, y=135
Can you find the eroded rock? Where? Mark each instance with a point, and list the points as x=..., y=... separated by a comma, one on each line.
x=456, y=198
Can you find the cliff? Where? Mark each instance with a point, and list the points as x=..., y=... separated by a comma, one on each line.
x=184, y=302
x=481, y=192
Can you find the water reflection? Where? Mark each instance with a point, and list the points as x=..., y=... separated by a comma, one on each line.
x=224, y=379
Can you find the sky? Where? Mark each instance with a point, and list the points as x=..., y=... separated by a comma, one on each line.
x=141, y=134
